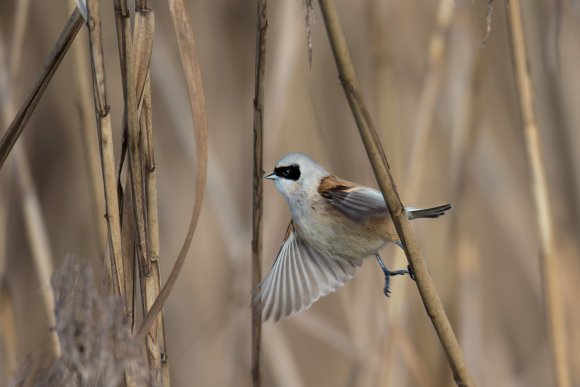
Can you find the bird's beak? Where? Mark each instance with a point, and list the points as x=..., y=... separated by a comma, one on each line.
x=271, y=176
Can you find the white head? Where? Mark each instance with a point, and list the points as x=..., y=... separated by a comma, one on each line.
x=296, y=176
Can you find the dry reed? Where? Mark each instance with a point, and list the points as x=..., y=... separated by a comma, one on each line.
x=190, y=64
x=106, y=147
x=551, y=277
x=89, y=138
x=257, y=195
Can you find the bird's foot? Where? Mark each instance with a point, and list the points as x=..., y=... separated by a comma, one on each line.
x=388, y=274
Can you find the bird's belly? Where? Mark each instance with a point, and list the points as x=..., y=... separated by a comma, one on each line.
x=345, y=239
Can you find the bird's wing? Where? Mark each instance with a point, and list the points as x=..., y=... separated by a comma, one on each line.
x=357, y=202
x=362, y=203
x=299, y=277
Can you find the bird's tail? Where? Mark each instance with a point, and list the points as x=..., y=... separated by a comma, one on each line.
x=433, y=212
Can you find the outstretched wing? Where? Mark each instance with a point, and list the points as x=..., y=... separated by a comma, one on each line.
x=299, y=277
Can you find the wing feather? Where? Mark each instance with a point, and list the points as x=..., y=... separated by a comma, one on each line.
x=357, y=202
x=299, y=277
x=363, y=203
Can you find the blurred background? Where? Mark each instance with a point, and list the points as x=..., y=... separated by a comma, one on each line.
x=447, y=115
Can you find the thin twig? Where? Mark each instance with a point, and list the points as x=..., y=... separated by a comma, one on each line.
x=381, y=169
x=61, y=47
x=89, y=138
x=106, y=147
x=549, y=262
x=261, y=33
x=190, y=64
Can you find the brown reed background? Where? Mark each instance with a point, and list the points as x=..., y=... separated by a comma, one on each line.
x=483, y=256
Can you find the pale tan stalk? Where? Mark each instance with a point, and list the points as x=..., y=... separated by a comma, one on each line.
x=381, y=169
x=258, y=186
x=154, y=282
x=129, y=68
x=190, y=65
x=123, y=27
x=89, y=139
x=106, y=147
x=142, y=46
x=555, y=315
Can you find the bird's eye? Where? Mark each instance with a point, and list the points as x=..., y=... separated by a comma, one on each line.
x=291, y=172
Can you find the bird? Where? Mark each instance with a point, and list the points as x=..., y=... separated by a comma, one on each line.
x=335, y=225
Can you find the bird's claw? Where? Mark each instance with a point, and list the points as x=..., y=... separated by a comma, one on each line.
x=389, y=274
x=387, y=289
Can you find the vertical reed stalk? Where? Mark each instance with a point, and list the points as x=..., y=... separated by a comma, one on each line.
x=106, y=147
x=381, y=169
x=123, y=28
x=261, y=31
x=89, y=139
x=150, y=283
x=549, y=263
x=192, y=72
x=132, y=121
x=153, y=227
x=135, y=54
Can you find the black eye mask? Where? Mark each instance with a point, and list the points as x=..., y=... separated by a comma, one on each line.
x=291, y=172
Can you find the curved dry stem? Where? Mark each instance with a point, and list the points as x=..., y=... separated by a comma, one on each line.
x=190, y=64
x=380, y=166
x=549, y=263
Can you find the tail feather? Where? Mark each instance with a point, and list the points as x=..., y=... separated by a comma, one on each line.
x=433, y=212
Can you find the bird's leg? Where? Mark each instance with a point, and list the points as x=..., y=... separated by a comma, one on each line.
x=389, y=274
x=409, y=268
